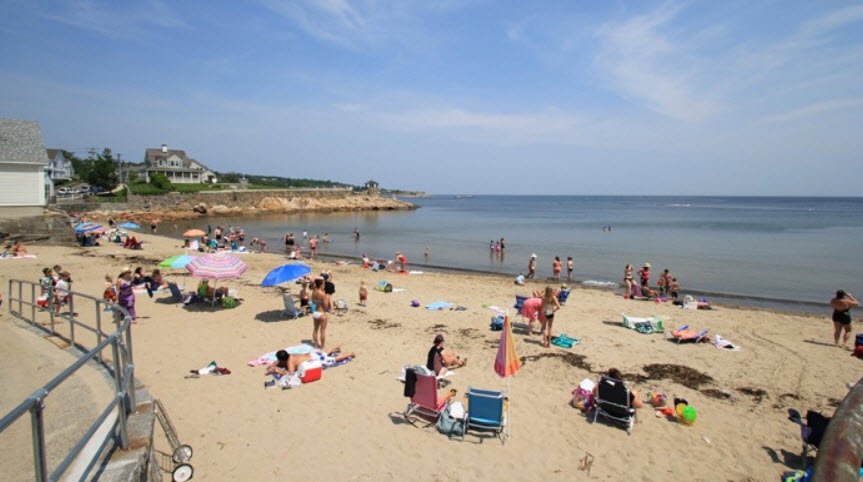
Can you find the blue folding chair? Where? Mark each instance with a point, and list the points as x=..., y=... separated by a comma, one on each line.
x=519, y=302
x=485, y=412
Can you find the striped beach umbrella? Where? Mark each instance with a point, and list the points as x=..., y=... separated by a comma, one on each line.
x=506, y=363
x=217, y=266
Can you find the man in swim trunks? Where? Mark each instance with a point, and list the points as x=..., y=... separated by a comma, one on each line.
x=313, y=248
x=842, y=304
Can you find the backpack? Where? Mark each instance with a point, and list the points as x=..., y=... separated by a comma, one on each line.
x=388, y=288
x=449, y=425
x=496, y=323
x=229, y=302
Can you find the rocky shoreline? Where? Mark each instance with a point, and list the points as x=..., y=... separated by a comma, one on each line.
x=148, y=209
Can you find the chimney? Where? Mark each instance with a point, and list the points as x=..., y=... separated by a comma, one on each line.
x=164, y=148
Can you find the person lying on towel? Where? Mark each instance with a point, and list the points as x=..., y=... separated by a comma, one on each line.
x=287, y=364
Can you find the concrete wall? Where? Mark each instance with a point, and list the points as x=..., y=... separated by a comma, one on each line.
x=48, y=227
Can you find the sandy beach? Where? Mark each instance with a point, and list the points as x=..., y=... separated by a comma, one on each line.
x=348, y=425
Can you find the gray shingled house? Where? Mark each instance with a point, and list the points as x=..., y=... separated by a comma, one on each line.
x=176, y=166
x=23, y=160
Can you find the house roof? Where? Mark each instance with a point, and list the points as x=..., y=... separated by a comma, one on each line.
x=153, y=154
x=21, y=142
x=52, y=153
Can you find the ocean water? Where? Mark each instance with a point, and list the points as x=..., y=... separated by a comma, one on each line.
x=779, y=249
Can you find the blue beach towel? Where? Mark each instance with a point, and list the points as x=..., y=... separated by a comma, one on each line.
x=438, y=305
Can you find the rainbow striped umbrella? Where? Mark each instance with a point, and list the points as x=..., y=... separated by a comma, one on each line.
x=217, y=266
x=506, y=363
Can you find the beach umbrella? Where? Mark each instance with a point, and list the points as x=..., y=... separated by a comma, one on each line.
x=194, y=233
x=129, y=225
x=506, y=363
x=177, y=262
x=217, y=266
x=285, y=274
x=89, y=228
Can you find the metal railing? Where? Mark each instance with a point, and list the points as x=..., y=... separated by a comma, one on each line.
x=22, y=295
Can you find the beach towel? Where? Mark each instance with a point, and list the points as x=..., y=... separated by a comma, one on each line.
x=644, y=325
x=564, y=341
x=438, y=305
x=720, y=342
x=26, y=256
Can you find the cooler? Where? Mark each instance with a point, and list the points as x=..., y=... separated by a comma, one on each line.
x=858, y=340
x=310, y=371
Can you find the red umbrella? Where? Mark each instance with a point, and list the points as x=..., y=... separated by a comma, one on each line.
x=506, y=363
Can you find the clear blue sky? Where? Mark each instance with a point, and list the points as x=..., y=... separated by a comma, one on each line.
x=457, y=96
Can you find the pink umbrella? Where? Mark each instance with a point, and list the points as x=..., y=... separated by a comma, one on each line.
x=217, y=266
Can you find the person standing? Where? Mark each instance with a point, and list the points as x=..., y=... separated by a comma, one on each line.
x=502, y=245
x=319, y=315
x=402, y=261
x=842, y=304
x=550, y=305
x=627, y=281
x=313, y=248
x=644, y=275
x=126, y=293
x=531, y=266
x=570, y=266
x=356, y=234
x=556, y=267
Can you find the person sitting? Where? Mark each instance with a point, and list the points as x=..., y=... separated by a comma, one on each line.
x=156, y=282
x=614, y=373
x=133, y=243
x=439, y=361
x=139, y=278
x=7, y=251
x=18, y=249
x=207, y=292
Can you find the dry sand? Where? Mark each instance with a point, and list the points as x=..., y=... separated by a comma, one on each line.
x=348, y=425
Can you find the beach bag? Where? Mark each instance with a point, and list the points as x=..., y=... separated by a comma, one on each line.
x=449, y=425
x=496, y=323
x=582, y=396
x=229, y=302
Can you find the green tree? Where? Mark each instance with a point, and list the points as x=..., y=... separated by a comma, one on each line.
x=102, y=170
x=229, y=177
x=80, y=166
x=159, y=180
x=132, y=177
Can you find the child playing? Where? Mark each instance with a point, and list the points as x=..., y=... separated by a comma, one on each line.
x=110, y=293
x=364, y=293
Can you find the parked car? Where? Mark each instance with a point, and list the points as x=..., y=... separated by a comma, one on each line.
x=63, y=191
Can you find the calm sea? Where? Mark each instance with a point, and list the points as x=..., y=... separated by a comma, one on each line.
x=783, y=250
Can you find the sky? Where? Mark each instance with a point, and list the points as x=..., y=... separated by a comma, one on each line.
x=457, y=96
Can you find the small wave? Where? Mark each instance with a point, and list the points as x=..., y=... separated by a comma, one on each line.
x=599, y=284
x=679, y=205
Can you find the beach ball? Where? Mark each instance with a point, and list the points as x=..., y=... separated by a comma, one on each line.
x=679, y=408
x=689, y=415
x=415, y=303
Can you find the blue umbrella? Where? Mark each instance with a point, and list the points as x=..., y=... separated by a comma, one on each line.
x=285, y=273
x=88, y=227
x=129, y=226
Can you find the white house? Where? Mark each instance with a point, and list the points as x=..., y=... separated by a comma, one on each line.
x=176, y=166
x=59, y=168
x=23, y=160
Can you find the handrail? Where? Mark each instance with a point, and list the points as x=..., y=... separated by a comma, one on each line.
x=123, y=370
x=841, y=447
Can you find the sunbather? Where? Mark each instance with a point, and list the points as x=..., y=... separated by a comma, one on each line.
x=439, y=361
x=614, y=373
x=287, y=364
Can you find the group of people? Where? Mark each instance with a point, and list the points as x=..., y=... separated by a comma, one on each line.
x=56, y=286
x=13, y=250
x=556, y=268
x=667, y=285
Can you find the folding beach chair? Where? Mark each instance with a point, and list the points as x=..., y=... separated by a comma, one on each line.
x=684, y=334
x=562, y=296
x=613, y=402
x=425, y=401
x=519, y=302
x=811, y=431
x=291, y=310
x=485, y=412
x=176, y=293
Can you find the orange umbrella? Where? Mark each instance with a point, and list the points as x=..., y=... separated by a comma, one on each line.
x=506, y=363
x=194, y=233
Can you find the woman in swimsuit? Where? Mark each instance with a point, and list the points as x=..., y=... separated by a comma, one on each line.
x=842, y=304
x=555, y=268
x=627, y=281
x=550, y=304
